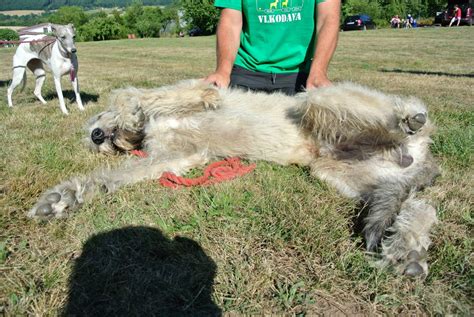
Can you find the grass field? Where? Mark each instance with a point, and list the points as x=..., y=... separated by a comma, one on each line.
x=274, y=241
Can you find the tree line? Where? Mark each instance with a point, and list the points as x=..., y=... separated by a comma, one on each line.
x=86, y=4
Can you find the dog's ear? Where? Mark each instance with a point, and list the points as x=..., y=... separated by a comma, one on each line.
x=72, y=27
x=54, y=28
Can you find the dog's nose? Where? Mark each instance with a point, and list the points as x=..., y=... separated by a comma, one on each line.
x=98, y=136
x=73, y=50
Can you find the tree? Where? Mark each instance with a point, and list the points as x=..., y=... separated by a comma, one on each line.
x=149, y=23
x=100, y=29
x=170, y=20
x=132, y=15
x=8, y=35
x=66, y=15
x=201, y=14
x=370, y=7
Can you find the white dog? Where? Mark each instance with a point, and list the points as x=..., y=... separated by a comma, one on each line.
x=58, y=55
x=371, y=146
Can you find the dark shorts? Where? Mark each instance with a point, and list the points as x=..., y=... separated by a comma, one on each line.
x=289, y=84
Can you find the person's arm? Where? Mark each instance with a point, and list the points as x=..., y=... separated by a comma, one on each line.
x=327, y=34
x=228, y=42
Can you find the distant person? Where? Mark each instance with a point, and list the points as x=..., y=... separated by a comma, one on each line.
x=409, y=23
x=395, y=22
x=456, y=15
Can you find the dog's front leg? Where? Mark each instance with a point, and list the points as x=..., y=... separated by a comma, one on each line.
x=75, y=86
x=57, y=84
x=75, y=82
x=68, y=196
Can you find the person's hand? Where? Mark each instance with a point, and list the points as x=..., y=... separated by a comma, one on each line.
x=317, y=81
x=218, y=79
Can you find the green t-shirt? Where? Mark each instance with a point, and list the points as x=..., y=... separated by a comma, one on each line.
x=277, y=35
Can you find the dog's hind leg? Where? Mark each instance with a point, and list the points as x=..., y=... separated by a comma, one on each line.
x=66, y=197
x=19, y=76
x=406, y=247
x=36, y=67
x=346, y=112
x=383, y=203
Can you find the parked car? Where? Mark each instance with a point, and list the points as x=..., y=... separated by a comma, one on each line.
x=466, y=12
x=358, y=22
x=195, y=32
x=439, y=17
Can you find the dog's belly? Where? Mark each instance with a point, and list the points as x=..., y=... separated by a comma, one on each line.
x=274, y=140
x=221, y=134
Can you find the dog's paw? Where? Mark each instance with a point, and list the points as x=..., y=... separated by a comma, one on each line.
x=56, y=203
x=415, y=265
x=412, y=123
x=412, y=264
x=210, y=98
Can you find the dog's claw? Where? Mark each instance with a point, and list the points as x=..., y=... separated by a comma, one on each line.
x=416, y=264
x=44, y=210
x=53, y=197
x=413, y=256
x=416, y=122
x=406, y=160
x=413, y=269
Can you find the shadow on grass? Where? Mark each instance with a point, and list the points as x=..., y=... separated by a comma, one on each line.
x=69, y=94
x=422, y=72
x=136, y=271
x=4, y=83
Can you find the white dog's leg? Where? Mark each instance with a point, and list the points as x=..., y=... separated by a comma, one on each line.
x=18, y=74
x=407, y=246
x=39, y=84
x=57, y=84
x=40, y=77
x=75, y=86
x=36, y=66
x=62, y=199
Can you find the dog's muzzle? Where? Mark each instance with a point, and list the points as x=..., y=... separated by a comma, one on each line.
x=98, y=136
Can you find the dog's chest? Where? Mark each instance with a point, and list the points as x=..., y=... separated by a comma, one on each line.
x=64, y=66
x=58, y=64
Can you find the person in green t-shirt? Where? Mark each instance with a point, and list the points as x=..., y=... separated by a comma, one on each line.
x=275, y=45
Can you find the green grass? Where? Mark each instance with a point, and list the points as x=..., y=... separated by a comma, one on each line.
x=274, y=241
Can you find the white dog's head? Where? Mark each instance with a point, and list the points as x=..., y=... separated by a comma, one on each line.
x=66, y=35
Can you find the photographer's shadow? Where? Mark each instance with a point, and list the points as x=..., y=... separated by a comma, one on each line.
x=136, y=271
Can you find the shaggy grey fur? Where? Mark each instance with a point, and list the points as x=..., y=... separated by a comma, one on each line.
x=371, y=146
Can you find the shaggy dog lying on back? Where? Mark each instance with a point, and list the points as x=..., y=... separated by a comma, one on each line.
x=370, y=146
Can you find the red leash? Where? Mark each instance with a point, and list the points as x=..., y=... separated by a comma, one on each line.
x=216, y=172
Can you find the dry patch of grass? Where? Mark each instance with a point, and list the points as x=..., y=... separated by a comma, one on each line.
x=22, y=12
x=15, y=28
x=274, y=241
